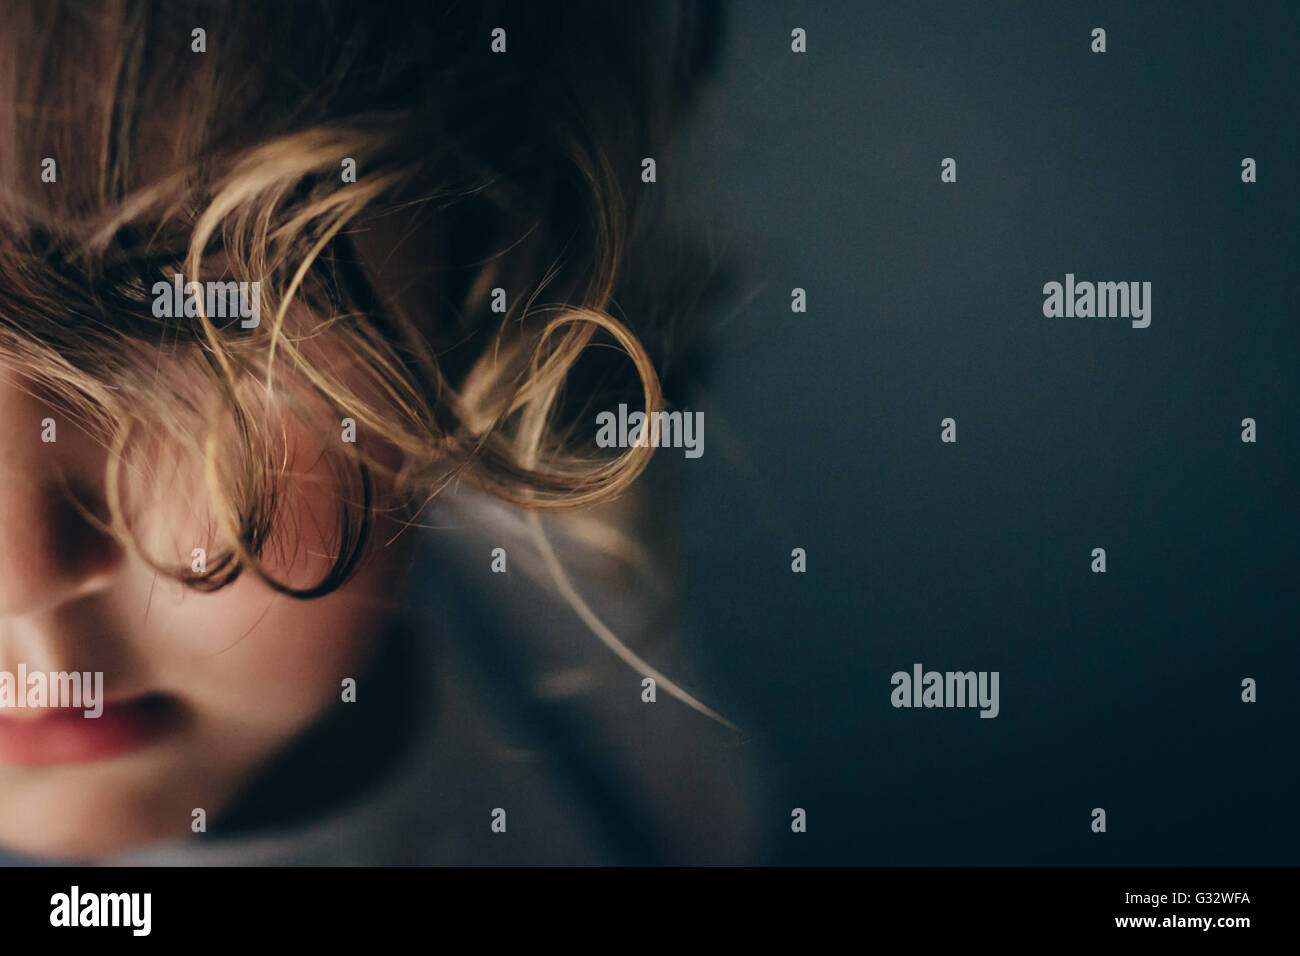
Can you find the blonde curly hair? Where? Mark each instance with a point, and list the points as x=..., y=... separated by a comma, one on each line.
x=475, y=171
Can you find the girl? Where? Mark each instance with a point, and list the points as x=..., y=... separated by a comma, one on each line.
x=306, y=314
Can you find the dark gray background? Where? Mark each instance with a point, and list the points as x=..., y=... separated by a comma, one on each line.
x=1119, y=690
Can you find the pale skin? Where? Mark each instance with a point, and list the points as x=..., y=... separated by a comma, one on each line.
x=249, y=670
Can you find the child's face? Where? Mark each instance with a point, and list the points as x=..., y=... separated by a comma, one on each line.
x=201, y=689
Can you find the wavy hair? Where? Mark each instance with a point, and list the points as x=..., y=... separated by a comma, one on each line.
x=517, y=171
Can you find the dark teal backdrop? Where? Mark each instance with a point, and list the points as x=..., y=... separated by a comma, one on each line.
x=1119, y=690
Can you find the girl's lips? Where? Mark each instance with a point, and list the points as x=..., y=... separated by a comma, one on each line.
x=69, y=736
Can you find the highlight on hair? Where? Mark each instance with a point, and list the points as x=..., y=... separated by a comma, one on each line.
x=517, y=171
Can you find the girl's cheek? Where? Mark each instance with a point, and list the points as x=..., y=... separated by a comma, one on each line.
x=246, y=653
x=263, y=657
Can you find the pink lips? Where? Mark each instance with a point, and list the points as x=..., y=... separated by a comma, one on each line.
x=43, y=738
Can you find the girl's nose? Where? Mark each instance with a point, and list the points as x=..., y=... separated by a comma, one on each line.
x=51, y=551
